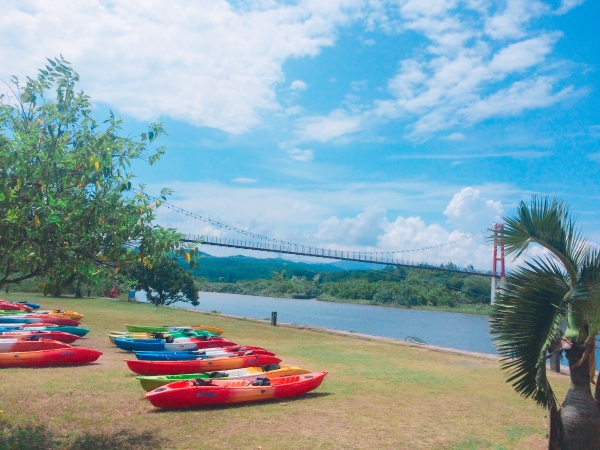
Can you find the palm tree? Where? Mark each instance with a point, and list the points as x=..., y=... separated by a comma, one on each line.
x=549, y=304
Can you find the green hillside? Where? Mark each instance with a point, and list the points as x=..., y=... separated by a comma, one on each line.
x=243, y=268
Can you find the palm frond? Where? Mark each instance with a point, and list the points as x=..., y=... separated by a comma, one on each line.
x=546, y=221
x=587, y=298
x=525, y=320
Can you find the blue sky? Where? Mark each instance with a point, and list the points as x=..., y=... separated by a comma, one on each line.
x=367, y=125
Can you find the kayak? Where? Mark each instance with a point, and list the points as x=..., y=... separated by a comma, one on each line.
x=199, y=365
x=22, y=345
x=61, y=313
x=46, y=358
x=160, y=334
x=61, y=336
x=199, y=354
x=31, y=305
x=200, y=392
x=147, y=329
x=42, y=318
x=78, y=331
x=13, y=307
x=161, y=345
x=271, y=371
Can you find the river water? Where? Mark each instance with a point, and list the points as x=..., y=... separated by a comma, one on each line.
x=455, y=330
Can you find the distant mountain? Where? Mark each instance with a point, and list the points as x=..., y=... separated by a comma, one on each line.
x=235, y=268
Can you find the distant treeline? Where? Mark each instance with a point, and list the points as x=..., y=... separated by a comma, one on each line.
x=395, y=287
x=236, y=268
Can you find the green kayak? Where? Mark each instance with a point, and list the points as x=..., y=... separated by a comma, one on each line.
x=149, y=383
x=149, y=329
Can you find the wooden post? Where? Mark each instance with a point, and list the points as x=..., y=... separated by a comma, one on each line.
x=274, y=318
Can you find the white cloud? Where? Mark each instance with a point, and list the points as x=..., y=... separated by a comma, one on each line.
x=568, y=5
x=298, y=85
x=362, y=230
x=206, y=63
x=323, y=129
x=481, y=62
x=244, y=180
x=471, y=211
x=524, y=54
x=368, y=42
x=300, y=155
x=510, y=22
x=455, y=137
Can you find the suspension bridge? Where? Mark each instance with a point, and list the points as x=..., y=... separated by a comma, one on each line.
x=473, y=254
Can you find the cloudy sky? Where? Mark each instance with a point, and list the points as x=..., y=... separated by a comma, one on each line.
x=355, y=124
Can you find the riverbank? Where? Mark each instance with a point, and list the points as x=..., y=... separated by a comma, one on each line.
x=377, y=394
x=479, y=309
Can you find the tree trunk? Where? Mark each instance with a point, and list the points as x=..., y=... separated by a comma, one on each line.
x=57, y=291
x=78, y=293
x=597, y=394
x=579, y=413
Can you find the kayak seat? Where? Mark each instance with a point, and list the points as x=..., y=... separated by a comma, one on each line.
x=201, y=382
x=218, y=375
x=271, y=367
x=261, y=382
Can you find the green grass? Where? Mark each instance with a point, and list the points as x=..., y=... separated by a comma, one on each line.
x=377, y=394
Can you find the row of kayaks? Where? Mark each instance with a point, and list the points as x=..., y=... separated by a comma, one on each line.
x=41, y=339
x=179, y=368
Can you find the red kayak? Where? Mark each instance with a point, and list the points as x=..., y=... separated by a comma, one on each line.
x=13, y=307
x=201, y=392
x=23, y=345
x=61, y=336
x=47, y=358
x=199, y=365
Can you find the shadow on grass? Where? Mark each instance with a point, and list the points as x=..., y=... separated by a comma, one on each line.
x=35, y=436
x=309, y=396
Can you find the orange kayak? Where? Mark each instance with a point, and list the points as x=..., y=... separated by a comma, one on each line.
x=199, y=365
x=47, y=358
x=185, y=394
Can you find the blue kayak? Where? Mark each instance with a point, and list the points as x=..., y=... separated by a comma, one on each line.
x=31, y=305
x=152, y=345
x=169, y=356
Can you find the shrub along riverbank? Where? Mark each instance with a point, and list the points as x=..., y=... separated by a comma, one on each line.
x=409, y=288
x=377, y=394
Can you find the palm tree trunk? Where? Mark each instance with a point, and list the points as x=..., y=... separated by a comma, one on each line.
x=597, y=394
x=579, y=414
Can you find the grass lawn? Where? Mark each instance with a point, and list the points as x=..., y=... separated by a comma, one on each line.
x=377, y=395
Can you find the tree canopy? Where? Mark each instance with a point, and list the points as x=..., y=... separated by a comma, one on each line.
x=165, y=282
x=67, y=208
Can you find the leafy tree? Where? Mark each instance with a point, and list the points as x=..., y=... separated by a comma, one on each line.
x=67, y=210
x=549, y=304
x=165, y=282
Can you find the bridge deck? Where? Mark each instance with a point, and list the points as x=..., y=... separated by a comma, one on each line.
x=326, y=253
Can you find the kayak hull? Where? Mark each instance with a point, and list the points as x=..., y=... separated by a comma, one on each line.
x=49, y=358
x=78, y=331
x=43, y=318
x=185, y=394
x=20, y=345
x=67, y=338
x=204, y=365
x=159, y=345
x=150, y=383
x=148, y=329
x=199, y=354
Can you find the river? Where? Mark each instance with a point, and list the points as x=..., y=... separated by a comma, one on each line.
x=455, y=330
